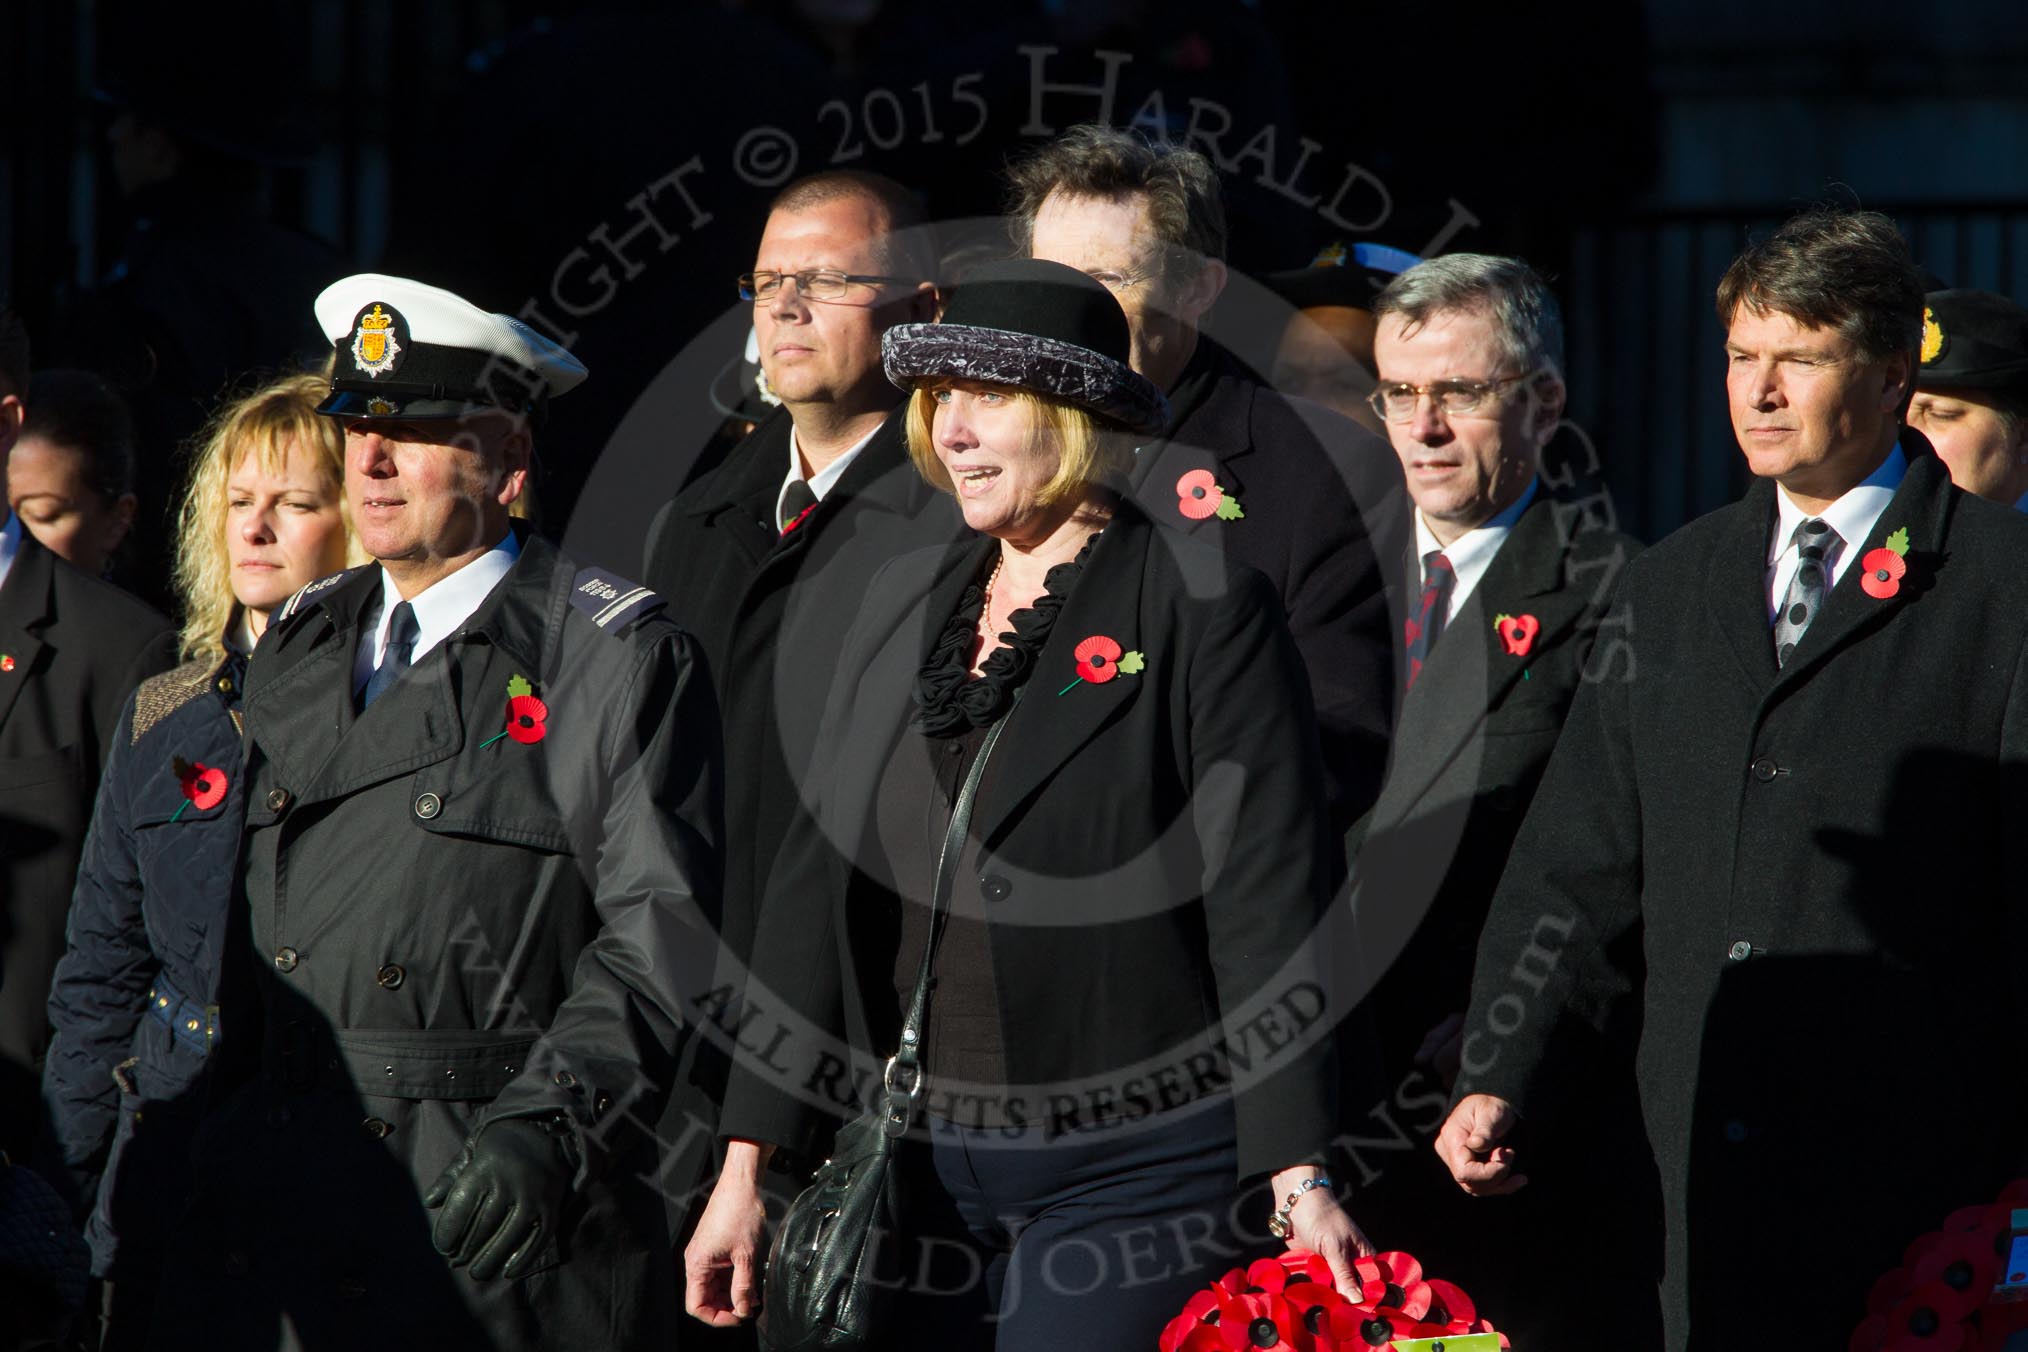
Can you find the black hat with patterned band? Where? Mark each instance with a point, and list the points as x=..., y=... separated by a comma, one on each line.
x=406, y=351
x=1037, y=326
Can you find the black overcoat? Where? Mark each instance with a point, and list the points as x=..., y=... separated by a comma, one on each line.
x=1151, y=854
x=72, y=648
x=1475, y=733
x=444, y=927
x=770, y=613
x=1325, y=520
x=1823, y=867
x=134, y=1005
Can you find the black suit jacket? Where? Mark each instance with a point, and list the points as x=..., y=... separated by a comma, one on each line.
x=71, y=650
x=1474, y=736
x=1823, y=865
x=770, y=613
x=1151, y=855
x=1325, y=514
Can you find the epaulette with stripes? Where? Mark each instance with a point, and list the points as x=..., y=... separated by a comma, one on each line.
x=612, y=602
x=295, y=603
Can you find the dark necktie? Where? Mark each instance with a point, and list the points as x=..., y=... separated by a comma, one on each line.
x=401, y=633
x=797, y=500
x=1814, y=542
x=1427, y=623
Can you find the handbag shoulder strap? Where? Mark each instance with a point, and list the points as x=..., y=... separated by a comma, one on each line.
x=903, y=1080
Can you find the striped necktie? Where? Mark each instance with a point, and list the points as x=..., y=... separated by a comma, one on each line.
x=1423, y=627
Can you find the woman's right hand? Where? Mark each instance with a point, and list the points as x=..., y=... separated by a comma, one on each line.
x=721, y=1261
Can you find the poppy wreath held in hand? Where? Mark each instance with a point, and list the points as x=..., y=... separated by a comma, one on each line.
x=1961, y=1288
x=1288, y=1304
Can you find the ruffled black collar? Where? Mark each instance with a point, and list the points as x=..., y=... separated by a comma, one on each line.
x=949, y=700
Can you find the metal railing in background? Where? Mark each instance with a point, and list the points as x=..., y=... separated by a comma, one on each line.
x=1647, y=367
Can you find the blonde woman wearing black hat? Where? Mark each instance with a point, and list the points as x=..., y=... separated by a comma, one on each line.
x=1146, y=859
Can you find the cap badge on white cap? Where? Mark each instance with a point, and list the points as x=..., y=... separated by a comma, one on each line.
x=375, y=348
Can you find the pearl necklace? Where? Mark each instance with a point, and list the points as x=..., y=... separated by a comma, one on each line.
x=992, y=578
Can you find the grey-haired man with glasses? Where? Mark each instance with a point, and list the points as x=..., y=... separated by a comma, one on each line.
x=1509, y=588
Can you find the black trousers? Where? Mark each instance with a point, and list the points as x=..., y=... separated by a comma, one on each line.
x=1025, y=1242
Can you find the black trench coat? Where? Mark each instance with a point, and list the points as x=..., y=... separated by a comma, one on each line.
x=1823, y=866
x=441, y=931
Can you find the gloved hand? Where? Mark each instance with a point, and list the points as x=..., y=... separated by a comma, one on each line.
x=502, y=1199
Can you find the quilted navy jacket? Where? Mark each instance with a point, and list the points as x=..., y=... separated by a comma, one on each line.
x=134, y=1002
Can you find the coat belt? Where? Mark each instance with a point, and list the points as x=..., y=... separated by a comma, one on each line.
x=428, y=1063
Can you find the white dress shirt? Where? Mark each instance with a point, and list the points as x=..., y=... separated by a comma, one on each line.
x=10, y=545
x=824, y=479
x=1852, y=516
x=1471, y=554
x=439, y=608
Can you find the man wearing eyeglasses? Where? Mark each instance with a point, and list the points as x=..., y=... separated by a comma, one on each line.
x=1302, y=494
x=763, y=559
x=1513, y=586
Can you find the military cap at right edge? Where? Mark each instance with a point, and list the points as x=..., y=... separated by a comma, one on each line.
x=1971, y=395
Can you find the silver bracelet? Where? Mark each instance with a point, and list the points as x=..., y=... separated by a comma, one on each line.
x=1278, y=1224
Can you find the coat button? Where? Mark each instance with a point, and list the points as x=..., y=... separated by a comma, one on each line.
x=236, y=1264
x=565, y=1080
x=378, y=1128
x=995, y=888
x=286, y=959
x=351, y=1288
x=278, y=1117
x=1735, y=1131
x=391, y=976
x=428, y=806
x=277, y=799
x=1765, y=770
x=1740, y=951
x=225, y=685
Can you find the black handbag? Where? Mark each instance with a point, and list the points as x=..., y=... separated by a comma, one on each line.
x=835, y=1264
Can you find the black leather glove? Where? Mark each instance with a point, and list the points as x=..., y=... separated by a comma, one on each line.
x=502, y=1199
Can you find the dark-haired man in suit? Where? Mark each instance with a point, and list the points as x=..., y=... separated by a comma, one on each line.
x=1792, y=831
x=1515, y=571
x=71, y=649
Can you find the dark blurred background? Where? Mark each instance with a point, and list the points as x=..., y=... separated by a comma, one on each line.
x=176, y=183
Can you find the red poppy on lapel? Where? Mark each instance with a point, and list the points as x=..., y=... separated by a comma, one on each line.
x=797, y=519
x=203, y=786
x=1100, y=658
x=1517, y=633
x=526, y=715
x=1882, y=569
x=1199, y=496
x=6, y=661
